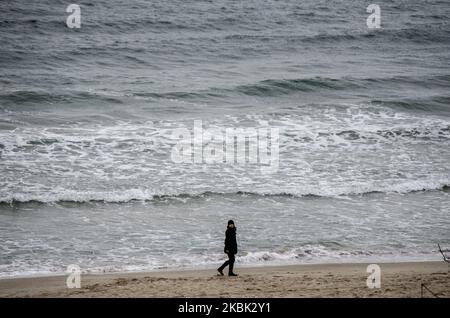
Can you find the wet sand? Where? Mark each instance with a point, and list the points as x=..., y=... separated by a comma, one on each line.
x=321, y=280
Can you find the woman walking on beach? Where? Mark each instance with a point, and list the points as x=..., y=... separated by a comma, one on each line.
x=230, y=249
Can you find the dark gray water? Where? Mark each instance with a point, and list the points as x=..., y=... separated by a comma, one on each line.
x=87, y=116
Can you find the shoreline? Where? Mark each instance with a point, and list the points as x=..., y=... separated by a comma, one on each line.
x=399, y=279
x=212, y=267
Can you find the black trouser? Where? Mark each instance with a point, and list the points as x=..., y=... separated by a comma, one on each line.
x=229, y=263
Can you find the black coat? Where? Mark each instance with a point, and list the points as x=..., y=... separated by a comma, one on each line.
x=230, y=241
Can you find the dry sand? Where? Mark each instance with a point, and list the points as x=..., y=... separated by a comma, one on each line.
x=324, y=280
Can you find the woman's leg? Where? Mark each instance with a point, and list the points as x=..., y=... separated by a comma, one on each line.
x=231, y=263
x=220, y=269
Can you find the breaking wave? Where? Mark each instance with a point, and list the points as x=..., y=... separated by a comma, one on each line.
x=147, y=195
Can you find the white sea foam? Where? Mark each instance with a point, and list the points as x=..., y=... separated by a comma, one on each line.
x=305, y=255
x=352, y=149
x=65, y=195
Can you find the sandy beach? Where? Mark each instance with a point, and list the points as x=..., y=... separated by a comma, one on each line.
x=323, y=280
